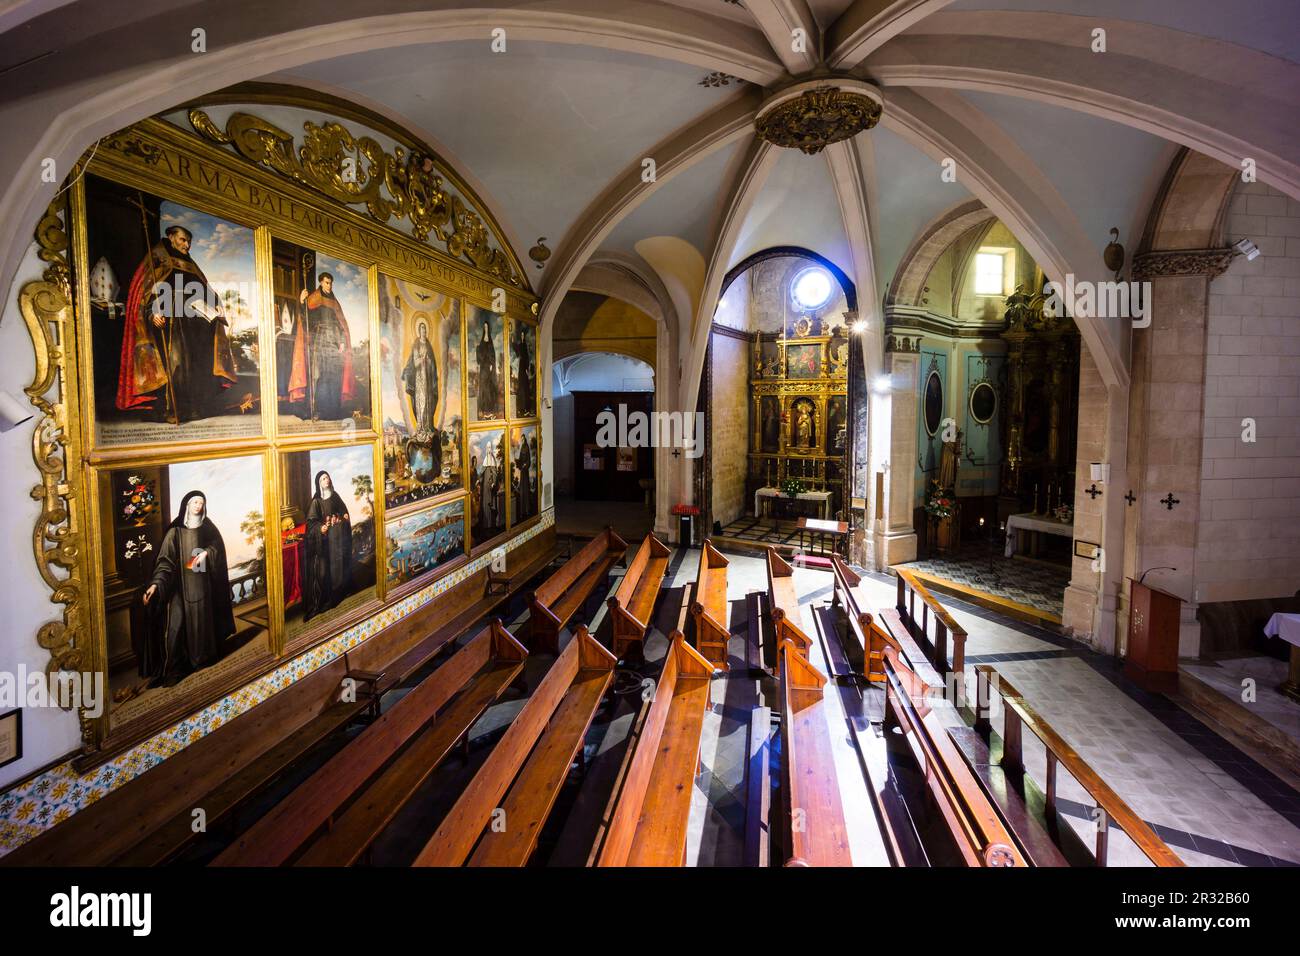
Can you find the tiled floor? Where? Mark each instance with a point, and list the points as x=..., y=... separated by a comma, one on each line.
x=1212, y=803
x=1228, y=675
x=981, y=568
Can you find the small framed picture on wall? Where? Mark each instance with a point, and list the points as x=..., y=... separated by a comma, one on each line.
x=11, y=736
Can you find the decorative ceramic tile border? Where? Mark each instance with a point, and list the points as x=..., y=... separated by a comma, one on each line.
x=58, y=793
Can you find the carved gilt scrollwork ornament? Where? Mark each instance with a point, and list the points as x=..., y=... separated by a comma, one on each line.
x=811, y=116
x=46, y=307
x=357, y=170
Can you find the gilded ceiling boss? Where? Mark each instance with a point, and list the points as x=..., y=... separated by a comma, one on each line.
x=176, y=355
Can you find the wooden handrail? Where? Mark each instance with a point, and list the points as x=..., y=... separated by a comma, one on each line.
x=1019, y=714
x=909, y=588
x=982, y=838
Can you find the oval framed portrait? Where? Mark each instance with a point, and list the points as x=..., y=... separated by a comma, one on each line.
x=983, y=403
x=933, y=402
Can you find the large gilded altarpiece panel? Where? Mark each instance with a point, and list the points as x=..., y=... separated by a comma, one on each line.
x=263, y=415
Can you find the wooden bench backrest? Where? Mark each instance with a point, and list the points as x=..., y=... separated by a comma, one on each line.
x=711, y=582
x=650, y=547
x=454, y=839
x=944, y=625
x=784, y=601
x=871, y=636
x=710, y=605
x=554, y=587
x=976, y=827
x=1116, y=809
x=812, y=789
x=682, y=663
x=281, y=832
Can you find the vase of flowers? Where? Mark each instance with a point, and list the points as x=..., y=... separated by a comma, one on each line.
x=941, y=506
x=139, y=503
x=792, y=487
x=1064, y=514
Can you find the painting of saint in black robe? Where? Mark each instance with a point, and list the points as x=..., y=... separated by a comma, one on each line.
x=523, y=361
x=322, y=372
x=176, y=360
x=486, y=356
x=327, y=550
x=188, y=597
x=523, y=461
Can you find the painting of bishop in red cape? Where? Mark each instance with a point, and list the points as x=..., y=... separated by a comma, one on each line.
x=174, y=330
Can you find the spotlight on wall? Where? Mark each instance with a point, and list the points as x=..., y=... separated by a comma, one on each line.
x=882, y=384
x=859, y=326
x=1246, y=248
x=13, y=412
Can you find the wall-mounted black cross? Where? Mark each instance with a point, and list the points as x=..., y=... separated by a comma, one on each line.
x=677, y=453
x=1093, y=492
x=1169, y=501
x=1129, y=498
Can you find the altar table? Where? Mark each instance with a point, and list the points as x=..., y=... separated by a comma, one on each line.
x=823, y=499
x=1287, y=627
x=1034, y=524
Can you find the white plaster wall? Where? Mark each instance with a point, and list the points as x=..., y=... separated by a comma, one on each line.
x=48, y=733
x=1248, y=545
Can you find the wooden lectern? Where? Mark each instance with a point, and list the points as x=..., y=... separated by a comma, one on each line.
x=1152, y=658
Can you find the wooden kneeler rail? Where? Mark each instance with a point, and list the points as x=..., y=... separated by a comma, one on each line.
x=871, y=637
x=978, y=831
x=386, y=763
x=552, y=604
x=634, y=601
x=710, y=606
x=815, y=831
x=547, y=733
x=648, y=827
x=783, y=602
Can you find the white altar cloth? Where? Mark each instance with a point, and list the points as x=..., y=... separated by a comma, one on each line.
x=1285, y=626
x=823, y=499
x=1033, y=522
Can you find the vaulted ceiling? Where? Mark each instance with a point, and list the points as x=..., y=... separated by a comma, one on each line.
x=1059, y=141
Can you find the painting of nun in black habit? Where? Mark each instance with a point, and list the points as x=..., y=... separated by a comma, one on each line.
x=188, y=597
x=327, y=549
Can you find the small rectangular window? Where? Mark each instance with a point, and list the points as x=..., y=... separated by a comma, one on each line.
x=990, y=273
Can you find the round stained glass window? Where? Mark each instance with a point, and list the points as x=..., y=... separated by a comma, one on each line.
x=811, y=289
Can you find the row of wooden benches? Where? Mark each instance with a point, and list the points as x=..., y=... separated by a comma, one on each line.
x=336, y=815
x=978, y=827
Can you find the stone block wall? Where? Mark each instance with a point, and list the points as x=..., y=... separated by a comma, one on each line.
x=1248, y=545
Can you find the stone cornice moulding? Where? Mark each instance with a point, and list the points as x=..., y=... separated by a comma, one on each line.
x=1182, y=262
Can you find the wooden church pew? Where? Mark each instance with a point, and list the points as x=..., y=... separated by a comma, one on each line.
x=552, y=604
x=871, y=637
x=969, y=816
x=634, y=601
x=648, y=827
x=427, y=722
x=710, y=606
x=783, y=603
x=548, y=734
x=815, y=831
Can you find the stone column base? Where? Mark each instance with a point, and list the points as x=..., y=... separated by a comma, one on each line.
x=1077, y=614
x=898, y=548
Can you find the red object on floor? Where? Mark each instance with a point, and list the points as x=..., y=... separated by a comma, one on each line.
x=812, y=561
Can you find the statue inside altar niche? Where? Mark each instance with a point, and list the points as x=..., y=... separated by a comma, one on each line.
x=804, y=425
